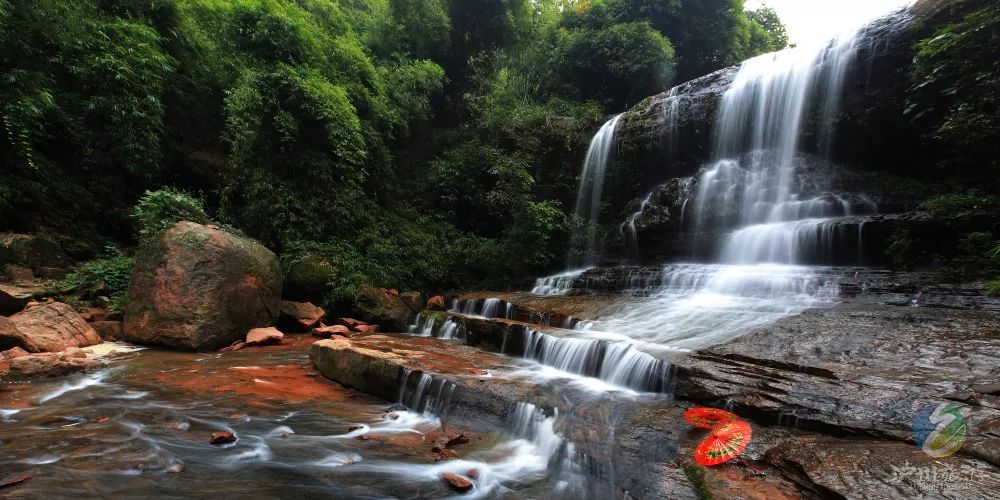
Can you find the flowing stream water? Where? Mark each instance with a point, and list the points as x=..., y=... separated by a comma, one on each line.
x=140, y=429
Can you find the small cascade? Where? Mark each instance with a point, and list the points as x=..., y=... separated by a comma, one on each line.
x=423, y=393
x=588, y=200
x=423, y=325
x=628, y=232
x=485, y=308
x=529, y=422
x=426, y=325
x=558, y=284
x=618, y=363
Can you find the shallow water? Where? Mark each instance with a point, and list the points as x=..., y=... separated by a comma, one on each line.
x=119, y=431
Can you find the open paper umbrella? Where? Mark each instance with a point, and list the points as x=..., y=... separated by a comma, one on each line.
x=709, y=417
x=723, y=443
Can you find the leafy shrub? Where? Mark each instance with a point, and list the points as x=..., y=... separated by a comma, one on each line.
x=945, y=204
x=161, y=209
x=113, y=273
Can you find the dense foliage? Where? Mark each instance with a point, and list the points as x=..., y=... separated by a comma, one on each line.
x=956, y=93
x=415, y=143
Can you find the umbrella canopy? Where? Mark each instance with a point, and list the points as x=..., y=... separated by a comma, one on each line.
x=709, y=417
x=723, y=443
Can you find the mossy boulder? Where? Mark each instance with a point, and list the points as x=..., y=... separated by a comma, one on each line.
x=385, y=308
x=307, y=277
x=197, y=287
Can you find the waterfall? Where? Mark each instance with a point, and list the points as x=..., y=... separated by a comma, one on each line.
x=757, y=188
x=588, y=199
x=771, y=208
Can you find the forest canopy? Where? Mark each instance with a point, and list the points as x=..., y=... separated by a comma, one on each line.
x=416, y=142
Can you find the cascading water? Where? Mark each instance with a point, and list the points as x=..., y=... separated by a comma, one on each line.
x=588, y=200
x=770, y=210
x=757, y=185
x=614, y=362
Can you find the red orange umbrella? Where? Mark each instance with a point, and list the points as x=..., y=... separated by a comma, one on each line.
x=723, y=443
x=709, y=417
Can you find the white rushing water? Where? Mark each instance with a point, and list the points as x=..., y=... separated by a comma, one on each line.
x=588, y=199
x=773, y=213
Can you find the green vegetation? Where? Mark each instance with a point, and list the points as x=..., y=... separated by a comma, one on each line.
x=944, y=204
x=696, y=476
x=411, y=143
x=161, y=209
x=109, y=276
x=956, y=79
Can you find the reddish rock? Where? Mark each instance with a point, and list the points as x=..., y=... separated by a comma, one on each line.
x=328, y=331
x=194, y=287
x=14, y=352
x=109, y=330
x=446, y=454
x=264, y=336
x=477, y=371
x=74, y=352
x=456, y=482
x=50, y=327
x=366, y=328
x=222, y=437
x=15, y=479
x=101, y=419
x=175, y=469
x=48, y=364
x=234, y=347
x=349, y=322
x=300, y=316
x=33, y=303
x=9, y=336
x=17, y=273
x=370, y=437
x=436, y=303
x=472, y=474
x=446, y=441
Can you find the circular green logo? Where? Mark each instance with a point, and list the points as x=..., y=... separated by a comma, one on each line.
x=939, y=430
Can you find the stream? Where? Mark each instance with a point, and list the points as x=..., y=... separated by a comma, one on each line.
x=141, y=428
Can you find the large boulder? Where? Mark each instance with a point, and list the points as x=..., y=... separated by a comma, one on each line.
x=307, y=276
x=196, y=287
x=49, y=327
x=384, y=308
x=35, y=252
x=48, y=364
